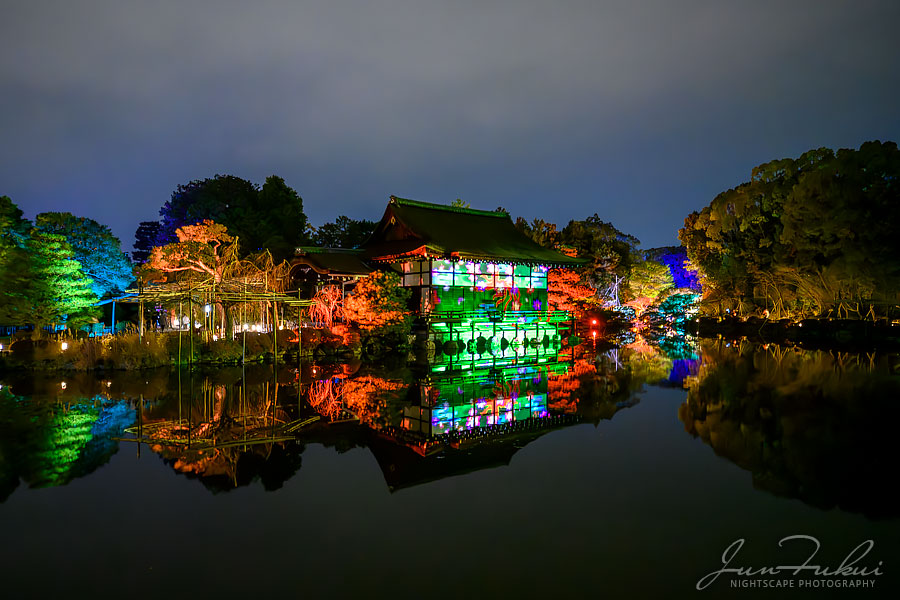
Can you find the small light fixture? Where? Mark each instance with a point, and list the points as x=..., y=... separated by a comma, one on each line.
x=62, y=384
x=64, y=346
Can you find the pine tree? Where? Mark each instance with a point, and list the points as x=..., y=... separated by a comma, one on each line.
x=95, y=247
x=15, y=274
x=60, y=291
x=144, y=240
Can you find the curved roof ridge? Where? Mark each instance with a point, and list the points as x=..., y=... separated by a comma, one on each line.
x=444, y=207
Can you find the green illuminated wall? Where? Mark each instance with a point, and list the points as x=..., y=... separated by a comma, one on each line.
x=480, y=399
x=484, y=343
x=486, y=314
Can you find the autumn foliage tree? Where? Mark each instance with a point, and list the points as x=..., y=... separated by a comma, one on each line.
x=267, y=218
x=203, y=251
x=328, y=305
x=379, y=304
x=204, y=248
x=565, y=291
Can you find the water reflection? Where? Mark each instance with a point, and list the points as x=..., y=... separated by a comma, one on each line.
x=817, y=426
x=236, y=426
x=50, y=443
x=813, y=426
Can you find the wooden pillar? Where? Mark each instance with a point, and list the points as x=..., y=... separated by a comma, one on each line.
x=191, y=328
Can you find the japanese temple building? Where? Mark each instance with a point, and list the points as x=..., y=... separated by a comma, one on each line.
x=479, y=286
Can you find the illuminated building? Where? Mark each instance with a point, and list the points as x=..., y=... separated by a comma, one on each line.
x=479, y=286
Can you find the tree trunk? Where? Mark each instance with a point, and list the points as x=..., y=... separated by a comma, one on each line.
x=229, y=320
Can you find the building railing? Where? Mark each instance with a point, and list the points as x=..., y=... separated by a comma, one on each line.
x=495, y=314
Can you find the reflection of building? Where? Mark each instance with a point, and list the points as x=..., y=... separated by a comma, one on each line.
x=451, y=424
x=478, y=400
x=479, y=286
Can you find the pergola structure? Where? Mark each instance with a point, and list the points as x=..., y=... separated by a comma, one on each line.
x=250, y=295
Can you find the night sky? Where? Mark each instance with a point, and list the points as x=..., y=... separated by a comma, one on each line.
x=638, y=111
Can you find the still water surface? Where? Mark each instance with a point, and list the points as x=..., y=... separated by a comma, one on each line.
x=622, y=472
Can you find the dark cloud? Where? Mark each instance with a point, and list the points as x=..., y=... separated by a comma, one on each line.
x=639, y=111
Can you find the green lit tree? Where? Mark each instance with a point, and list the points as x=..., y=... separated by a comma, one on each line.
x=60, y=291
x=16, y=278
x=95, y=247
x=647, y=280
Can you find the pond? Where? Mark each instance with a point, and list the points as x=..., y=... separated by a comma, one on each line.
x=600, y=472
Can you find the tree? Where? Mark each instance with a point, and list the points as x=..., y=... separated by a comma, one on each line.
x=379, y=303
x=804, y=237
x=204, y=248
x=565, y=292
x=676, y=259
x=610, y=254
x=608, y=249
x=328, y=305
x=344, y=232
x=207, y=251
x=270, y=218
x=16, y=278
x=647, y=280
x=60, y=291
x=144, y=240
x=95, y=247
x=280, y=224
x=215, y=199
x=40, y=280
x=458, y=203
x=540, y=231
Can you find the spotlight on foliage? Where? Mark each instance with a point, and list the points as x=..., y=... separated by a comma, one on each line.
x=378, y=303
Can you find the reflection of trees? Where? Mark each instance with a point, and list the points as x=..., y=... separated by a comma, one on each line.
x=810, y=425
x=368, y=398
x=48, y=443
x=598, y=386
x=226, y=435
